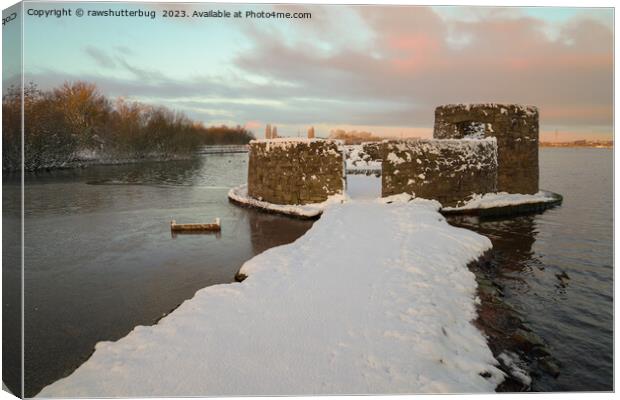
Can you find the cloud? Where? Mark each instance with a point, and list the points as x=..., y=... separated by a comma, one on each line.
x=386, y=67
x=411, y=62
x=119, y=60
x=142, y=74
x=124, y=50
x=100, y=57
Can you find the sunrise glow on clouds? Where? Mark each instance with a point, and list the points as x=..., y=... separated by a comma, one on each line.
x=377, y=68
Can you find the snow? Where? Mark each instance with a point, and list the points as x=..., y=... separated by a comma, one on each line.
x=240, y=195
x=503, y=199
x=375, y=298
x=394, y=159
x=288, y=142
x=528, y=109
x=363, y=186
x=468, y=146
x=514, y=365
x=403, y=198
x=358, y=161
x=293, y=140
x=5, y=388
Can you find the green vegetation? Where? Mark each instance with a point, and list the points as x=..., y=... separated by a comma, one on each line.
x=75, y=122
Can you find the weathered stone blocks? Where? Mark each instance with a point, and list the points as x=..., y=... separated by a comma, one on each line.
x=295, y=171
x=516, y=130
x=373, y=149
x=449, y=171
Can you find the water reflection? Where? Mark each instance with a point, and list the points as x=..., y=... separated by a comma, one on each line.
x=175, y=234
x=513, y=240
x=267, y=230
x=11, y=283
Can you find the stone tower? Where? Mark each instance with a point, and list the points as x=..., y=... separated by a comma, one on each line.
x=514, y=126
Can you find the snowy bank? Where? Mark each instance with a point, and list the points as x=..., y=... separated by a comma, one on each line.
x=375, y=298
x=503, y=199
x=240, y=195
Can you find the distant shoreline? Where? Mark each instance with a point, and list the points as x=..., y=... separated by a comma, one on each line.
x=111, y=161
x=575, y=147
x=608, y=144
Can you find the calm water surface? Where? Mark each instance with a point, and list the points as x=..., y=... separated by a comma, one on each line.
x=100, y=258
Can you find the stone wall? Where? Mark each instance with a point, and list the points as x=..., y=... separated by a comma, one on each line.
x=449, y=171
x=295, y=171
x=373, y=149
x=516, y=130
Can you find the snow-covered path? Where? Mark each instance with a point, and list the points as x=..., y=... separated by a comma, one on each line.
x=374, y=298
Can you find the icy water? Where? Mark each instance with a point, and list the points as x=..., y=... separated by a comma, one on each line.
x=100, y=258
x=575, y=319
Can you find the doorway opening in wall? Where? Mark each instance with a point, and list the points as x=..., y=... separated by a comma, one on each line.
x=472, y=129
x=363, y=186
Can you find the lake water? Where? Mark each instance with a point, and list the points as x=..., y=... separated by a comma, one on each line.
x=575, y=319
x=100, y=258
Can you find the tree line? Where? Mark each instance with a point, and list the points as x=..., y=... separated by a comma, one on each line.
x=354, y=137
x=75, y=122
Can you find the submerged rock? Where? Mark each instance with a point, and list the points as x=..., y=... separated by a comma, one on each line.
x=548, y=365
x=527, y=341
x=240, y=277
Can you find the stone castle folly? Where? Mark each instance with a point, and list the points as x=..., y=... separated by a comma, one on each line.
x=295, y=170
x=476, y=149
x=514, y=126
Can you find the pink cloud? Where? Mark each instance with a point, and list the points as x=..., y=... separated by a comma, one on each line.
x=410, y=66
x=253, y=125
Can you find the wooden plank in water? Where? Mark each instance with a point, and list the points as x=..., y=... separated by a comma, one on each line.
x=213, y=227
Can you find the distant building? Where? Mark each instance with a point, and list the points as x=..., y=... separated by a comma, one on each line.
x=268, y=131
x=311, y=133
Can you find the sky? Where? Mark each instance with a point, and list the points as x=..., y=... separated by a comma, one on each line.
x=381, y=69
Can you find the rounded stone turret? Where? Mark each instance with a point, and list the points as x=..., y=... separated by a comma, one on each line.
x=516, y=129
x=295, y=170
